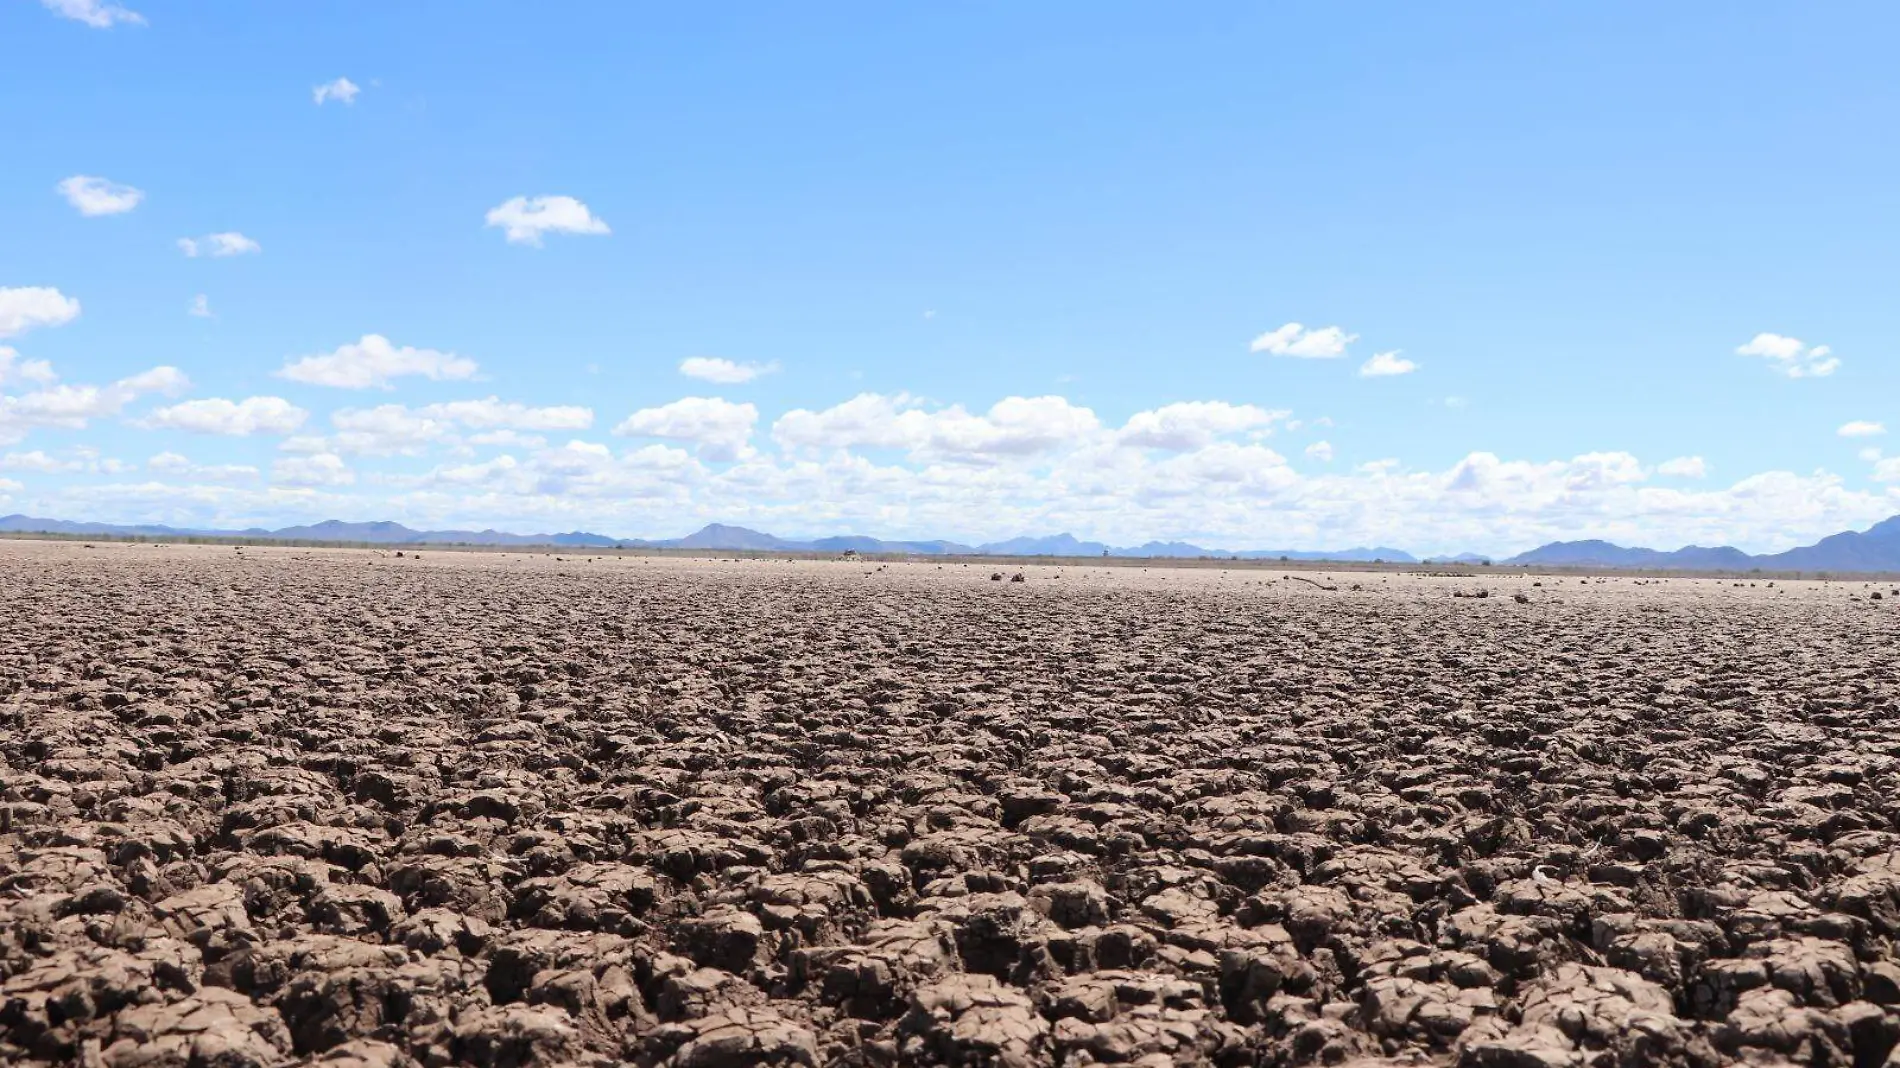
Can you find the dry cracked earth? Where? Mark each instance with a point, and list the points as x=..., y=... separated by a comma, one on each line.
x=295, y=806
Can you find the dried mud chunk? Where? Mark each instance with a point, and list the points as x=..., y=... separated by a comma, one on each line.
x=326, y=1008
x=1719, y=984
x=874, y=980
x=159, y=840
x=1071, y=904
x=66, y=871
x=956, y=851
x=1023, y=800
x=587, y=897
x=515, y=1036
x=435, y=930
x=518, y=960
x=971, y=1020
x=809, y=903
x=724, y=938
x=213, y=1027
x=1873, y=893
x=211, y=917
x=1254, y=972
x=1312, y=914
x=41, y=1007
x=1881, y=982
x=1607, y=1009
x=1147, y=1036
x=367, y=1053
x=1654, y=955
x=1523, y=1048
x=1571, y=905
x=704, y=992
x=1179, y=906
x=468, y=885
x=1105, y=995
x=683, y=852
x=1874, y=1032
x=1771, y=1020
x=1306, y=1032
x=1585, y=1015
x=1411, y=1010
x=1518, y=946
x=1822, y=974
x=354, y=909
x=346, y=847
x=997, y=934
x=742, y=1037
x=1768, y=915
x=264, y=969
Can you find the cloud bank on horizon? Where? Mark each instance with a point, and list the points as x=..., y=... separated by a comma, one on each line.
x=431, y=341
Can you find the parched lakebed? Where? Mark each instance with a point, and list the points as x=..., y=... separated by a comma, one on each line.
x=290, y=805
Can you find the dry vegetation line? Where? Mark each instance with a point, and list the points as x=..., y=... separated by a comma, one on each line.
x=508, y=811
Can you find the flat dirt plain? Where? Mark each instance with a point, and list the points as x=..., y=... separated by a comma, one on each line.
x=300, y=805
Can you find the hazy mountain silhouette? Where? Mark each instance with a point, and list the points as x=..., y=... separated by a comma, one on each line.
x=1875, y=549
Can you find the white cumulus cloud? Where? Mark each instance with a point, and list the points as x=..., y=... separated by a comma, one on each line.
x=720, y=428
x=167, y=380
x=494, y=413
x=386, y=429
x=72, y=407
x=1791, y=356
x=391, y=429
x=97, y=196
x=525, y=219
x=1294, y=339
x=1861, y=428
x=373, y=361
x=15, y=369
x=218, y=415
x=75, y=461
x=320, y=469
x=227, y=243
x=1321, y=451
x=178, y=466
x=25, y=307
x=1194, y=424
x=725, y=372
x=342, y=90
x=100, y=16
x=1386, y=364
x=508, y=439
x=1684, y=467
x=1013, y=428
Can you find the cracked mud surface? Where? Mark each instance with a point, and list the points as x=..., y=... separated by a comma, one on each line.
x=306, y=806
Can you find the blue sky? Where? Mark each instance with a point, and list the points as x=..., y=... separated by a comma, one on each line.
x=1004, y=268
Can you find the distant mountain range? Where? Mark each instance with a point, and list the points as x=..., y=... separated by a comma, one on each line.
x=1875, y=549
x=1872, y=550
x=714, y=536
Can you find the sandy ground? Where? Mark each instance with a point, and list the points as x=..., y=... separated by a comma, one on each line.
x=273, y=805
